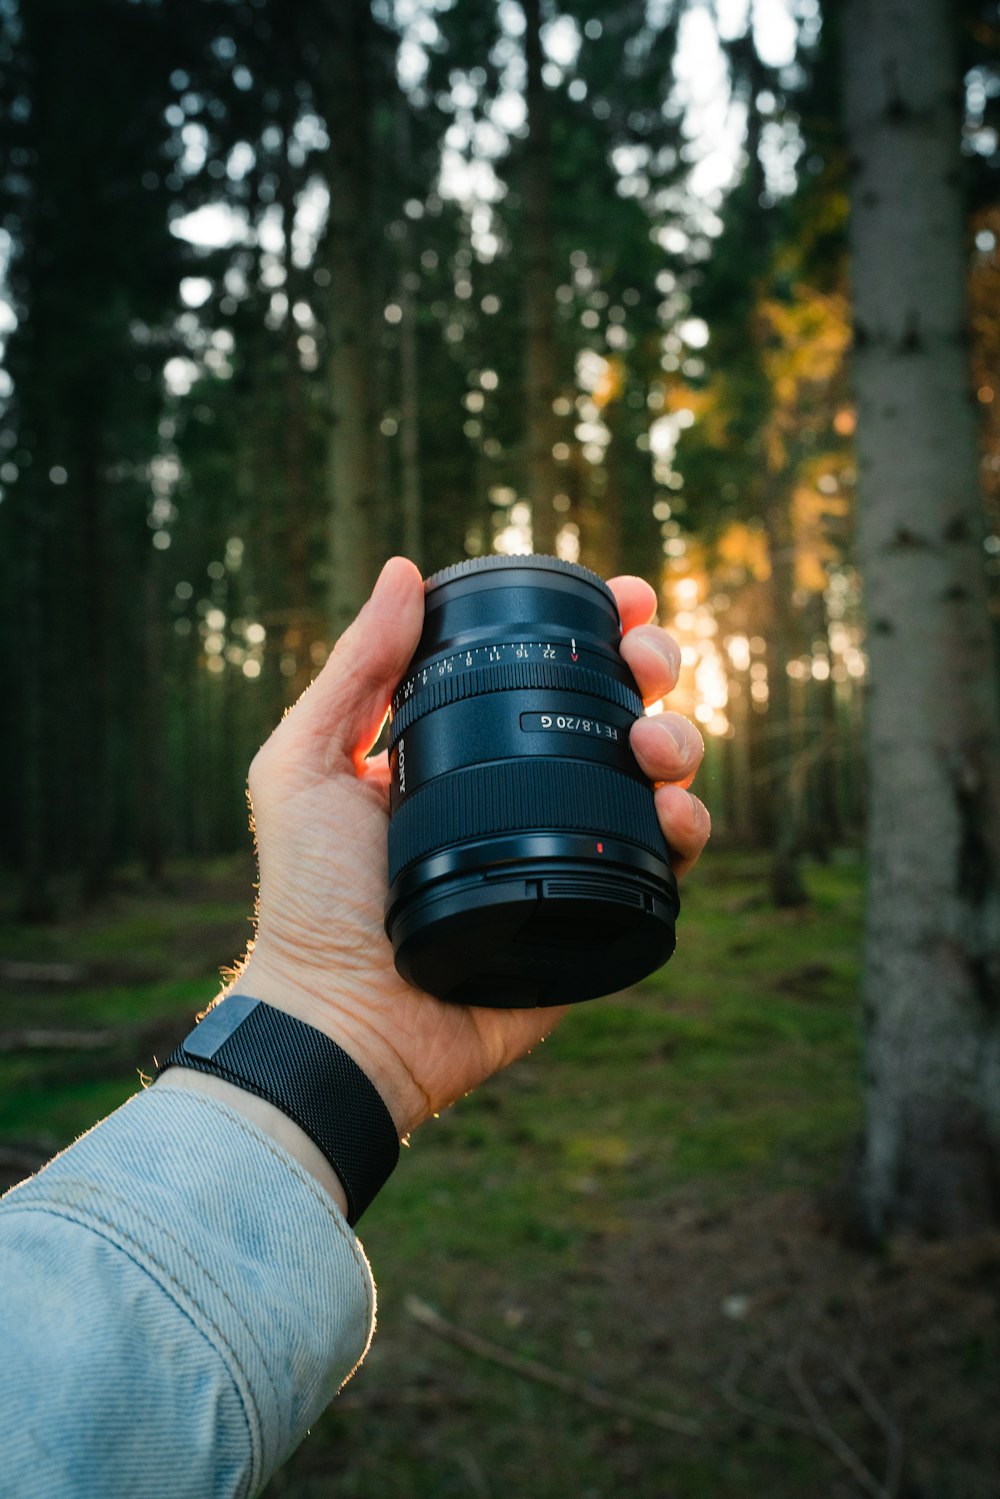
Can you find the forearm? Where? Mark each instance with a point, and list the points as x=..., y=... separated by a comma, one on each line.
x=177, y=1285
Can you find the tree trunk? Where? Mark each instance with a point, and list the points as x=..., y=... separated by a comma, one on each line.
x=932, y=970
x=97, y=595
x=737, y=780
x=613, y=499
x=351, y=473
x=302, y=626
x=35, y=898
x=777, y=771
x=152, y=779
x=539, y=293
x=410, y=495
x=787, y=888
x=824, y=826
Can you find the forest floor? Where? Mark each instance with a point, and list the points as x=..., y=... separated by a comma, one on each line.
x=629, y=1265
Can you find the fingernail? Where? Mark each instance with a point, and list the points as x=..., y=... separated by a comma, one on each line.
x=700, y=814
x=665, y=648
x=680, y=738
x=378, y=581
x=678, y=735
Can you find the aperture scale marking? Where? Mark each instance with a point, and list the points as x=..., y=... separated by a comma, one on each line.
x=484, y=655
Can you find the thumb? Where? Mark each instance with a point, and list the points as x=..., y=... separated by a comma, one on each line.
x=344, y=708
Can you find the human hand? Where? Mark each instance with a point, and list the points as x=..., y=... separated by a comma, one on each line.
x=320, y=810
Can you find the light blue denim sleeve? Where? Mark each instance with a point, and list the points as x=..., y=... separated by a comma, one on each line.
x=179, y=1300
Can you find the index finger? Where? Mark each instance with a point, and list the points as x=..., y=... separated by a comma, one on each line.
x=636, y=600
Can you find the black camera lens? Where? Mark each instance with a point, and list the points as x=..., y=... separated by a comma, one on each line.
x=526, y=862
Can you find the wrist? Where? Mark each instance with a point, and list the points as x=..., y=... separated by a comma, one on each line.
x=307, y=1077
x=337, y=1011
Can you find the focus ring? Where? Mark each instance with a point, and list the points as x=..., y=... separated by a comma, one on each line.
x=511, y=678
x=540, y=794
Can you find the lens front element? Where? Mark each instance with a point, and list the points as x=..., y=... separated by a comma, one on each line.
x=526, y=862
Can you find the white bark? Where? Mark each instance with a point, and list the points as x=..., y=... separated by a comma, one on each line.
x=932, y=1149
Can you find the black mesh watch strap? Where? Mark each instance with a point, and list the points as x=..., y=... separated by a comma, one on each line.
x=309, y=1078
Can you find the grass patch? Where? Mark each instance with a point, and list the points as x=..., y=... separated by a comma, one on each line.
x=739, y=1057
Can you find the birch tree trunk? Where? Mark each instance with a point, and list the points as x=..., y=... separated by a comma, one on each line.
x=932, y=966
x=351, y=481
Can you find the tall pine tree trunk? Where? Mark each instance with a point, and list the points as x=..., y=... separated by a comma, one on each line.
x=301, y=628
x=351, y=474
x=783, y=813
x=35, y=898
x=787, y=888
x=410, y=490
x=152, y=780
x=932, y=973
x=97, y=594
x=539, y=292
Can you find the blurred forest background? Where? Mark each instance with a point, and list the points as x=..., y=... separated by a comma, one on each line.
x=708, y=292
x=290, y=288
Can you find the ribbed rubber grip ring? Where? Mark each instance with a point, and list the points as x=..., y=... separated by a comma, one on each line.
x=512, y=677
x=530, y=795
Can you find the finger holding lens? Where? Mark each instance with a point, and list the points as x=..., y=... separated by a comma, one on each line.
x=668, y=747
x=685, y=824
x=636, y=601
x=654, y=659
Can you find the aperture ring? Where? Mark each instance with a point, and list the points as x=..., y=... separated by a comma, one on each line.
x=531, y=795
x=510, y=677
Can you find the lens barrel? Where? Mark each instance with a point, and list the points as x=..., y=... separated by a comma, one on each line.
x=526, y=862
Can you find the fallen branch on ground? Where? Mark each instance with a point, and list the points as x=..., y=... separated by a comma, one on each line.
x=877, y=1412
x=44, y=1040
x=527, y=1368
x=12, y=972
x=826, y=1433
x=767, y=1415
x=816, y=1424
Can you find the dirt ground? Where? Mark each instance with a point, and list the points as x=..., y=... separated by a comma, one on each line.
x=812, y=1366
x=889, y=1363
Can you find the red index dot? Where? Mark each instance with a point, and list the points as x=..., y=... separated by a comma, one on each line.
x=600, y=848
